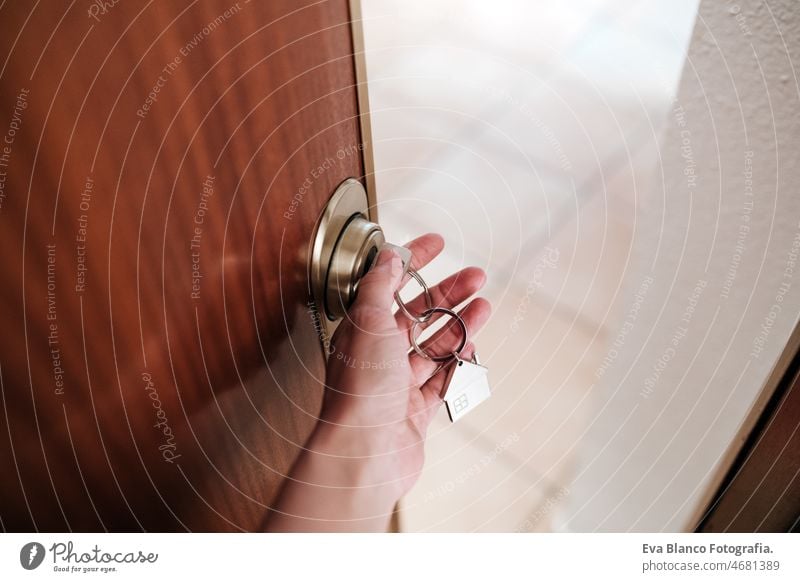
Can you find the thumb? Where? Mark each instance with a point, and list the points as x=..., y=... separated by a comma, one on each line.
x=376, y=288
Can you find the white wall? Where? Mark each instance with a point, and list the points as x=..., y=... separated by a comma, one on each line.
x=718, y=244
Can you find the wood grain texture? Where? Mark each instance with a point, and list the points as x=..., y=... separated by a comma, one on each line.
x=160, y=367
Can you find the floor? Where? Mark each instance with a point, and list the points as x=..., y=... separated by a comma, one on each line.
x=521, y=131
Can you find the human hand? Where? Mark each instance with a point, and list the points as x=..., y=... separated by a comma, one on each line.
x=368, y=447
x=380, y=396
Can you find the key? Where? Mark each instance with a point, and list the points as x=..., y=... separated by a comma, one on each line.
x=405, y=255
x=466, y=386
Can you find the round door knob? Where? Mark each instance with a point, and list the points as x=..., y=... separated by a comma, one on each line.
x=352, y=257
x=345, y=247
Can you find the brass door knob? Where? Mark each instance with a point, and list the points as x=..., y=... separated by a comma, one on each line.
x=345, y=246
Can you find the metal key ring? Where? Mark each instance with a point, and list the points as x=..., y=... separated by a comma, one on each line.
x=422, y=318
x=427, y=314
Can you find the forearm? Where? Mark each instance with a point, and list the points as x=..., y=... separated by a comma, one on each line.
x=337, y=484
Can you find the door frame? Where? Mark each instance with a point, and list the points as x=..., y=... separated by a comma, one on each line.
x=364, y=111
x=747, y=479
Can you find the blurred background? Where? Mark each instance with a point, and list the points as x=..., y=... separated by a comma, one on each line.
x=524, y=133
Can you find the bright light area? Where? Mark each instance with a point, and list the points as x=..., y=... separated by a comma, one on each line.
x=521, y=131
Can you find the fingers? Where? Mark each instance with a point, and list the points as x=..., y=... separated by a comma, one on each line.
x=454, y=290
x=445, y=340
x=376, y=288
x=424, y=249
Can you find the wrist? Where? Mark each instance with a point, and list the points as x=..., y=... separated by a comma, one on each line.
x=360, y=458
x=334, y=486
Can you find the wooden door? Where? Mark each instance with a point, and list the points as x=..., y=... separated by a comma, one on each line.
x=163, y=166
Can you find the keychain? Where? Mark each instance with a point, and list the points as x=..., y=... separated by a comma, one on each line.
x=466, y=383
